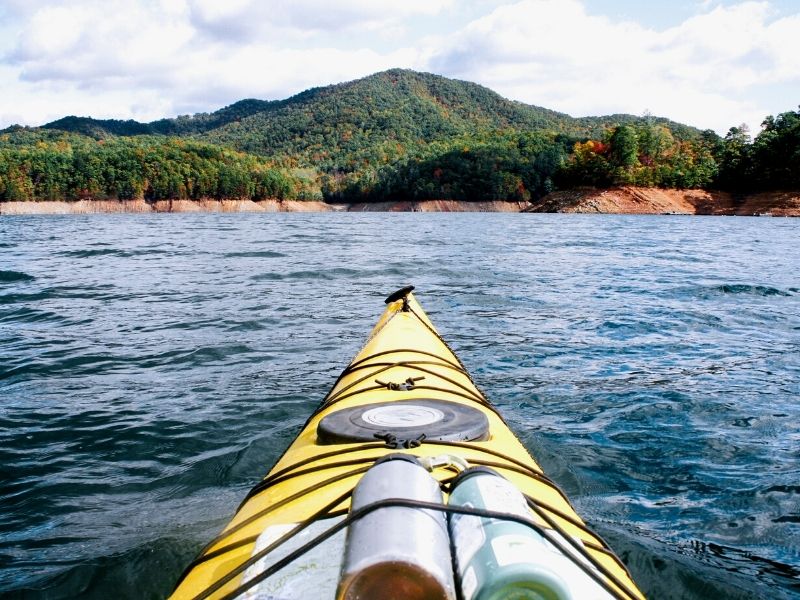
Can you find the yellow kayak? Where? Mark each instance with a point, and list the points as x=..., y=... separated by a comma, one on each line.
x=407, y=482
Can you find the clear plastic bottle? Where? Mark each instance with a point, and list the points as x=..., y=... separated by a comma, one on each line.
x=397, y=553
x=497, y=559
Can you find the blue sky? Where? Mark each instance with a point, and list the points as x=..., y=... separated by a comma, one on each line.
x=709, y=63
x=668, y=13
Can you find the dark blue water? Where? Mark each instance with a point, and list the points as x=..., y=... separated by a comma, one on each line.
x=152, y=368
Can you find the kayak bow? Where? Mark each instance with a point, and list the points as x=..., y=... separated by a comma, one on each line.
x=404, y=392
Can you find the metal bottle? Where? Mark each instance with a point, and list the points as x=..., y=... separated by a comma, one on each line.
x=497, y=559
x=397, y=553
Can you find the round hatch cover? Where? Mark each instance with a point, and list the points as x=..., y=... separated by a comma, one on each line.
x=405, y=419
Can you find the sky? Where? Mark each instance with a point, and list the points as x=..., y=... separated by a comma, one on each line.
x=713, y=64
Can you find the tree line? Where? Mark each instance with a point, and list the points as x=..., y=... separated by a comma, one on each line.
x=505, y=166
x=770, y=161
x=508, y=165
x=648, y=155
x=480, y=164
x=38, y=165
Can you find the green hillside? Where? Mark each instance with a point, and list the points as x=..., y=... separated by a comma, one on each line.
x=379, y=118
x=395, y=134
x=374, y=119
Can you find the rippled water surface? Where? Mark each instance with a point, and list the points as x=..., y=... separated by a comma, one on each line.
x=152, y=368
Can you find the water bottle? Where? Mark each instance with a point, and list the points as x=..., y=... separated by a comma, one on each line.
x=397, y=553
x=497, y=559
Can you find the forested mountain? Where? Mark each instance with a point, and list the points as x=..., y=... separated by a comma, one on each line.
x=341, y=125
x=395, y=134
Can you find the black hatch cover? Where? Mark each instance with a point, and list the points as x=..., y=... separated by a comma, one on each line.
x=404, y=419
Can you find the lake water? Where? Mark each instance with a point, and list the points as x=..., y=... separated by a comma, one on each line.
x=152, y=369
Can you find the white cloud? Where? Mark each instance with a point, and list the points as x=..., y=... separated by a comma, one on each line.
x=554, y=54
x=110, y=42
x=305, y=18
x=264, y=71
x=154, y=58
x=150, y=59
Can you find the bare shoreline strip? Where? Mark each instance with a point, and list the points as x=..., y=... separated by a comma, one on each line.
x=240, y=206
x=622, y=200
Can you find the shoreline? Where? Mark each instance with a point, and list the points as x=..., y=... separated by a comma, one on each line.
x=619, y=200
x=80, y=207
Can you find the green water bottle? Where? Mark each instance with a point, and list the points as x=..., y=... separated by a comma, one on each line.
x=498, y=559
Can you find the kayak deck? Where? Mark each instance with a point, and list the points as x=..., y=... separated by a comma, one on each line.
x=403, y=359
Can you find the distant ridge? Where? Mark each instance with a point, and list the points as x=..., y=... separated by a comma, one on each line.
x=184, y=125
x=348, y=120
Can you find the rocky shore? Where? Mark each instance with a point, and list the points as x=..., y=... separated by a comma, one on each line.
x=622, y=200
x=654, y=201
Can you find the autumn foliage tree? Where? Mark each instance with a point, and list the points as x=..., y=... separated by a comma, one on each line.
x=646, y=154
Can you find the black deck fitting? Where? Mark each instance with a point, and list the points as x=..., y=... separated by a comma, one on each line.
x=399, y=294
